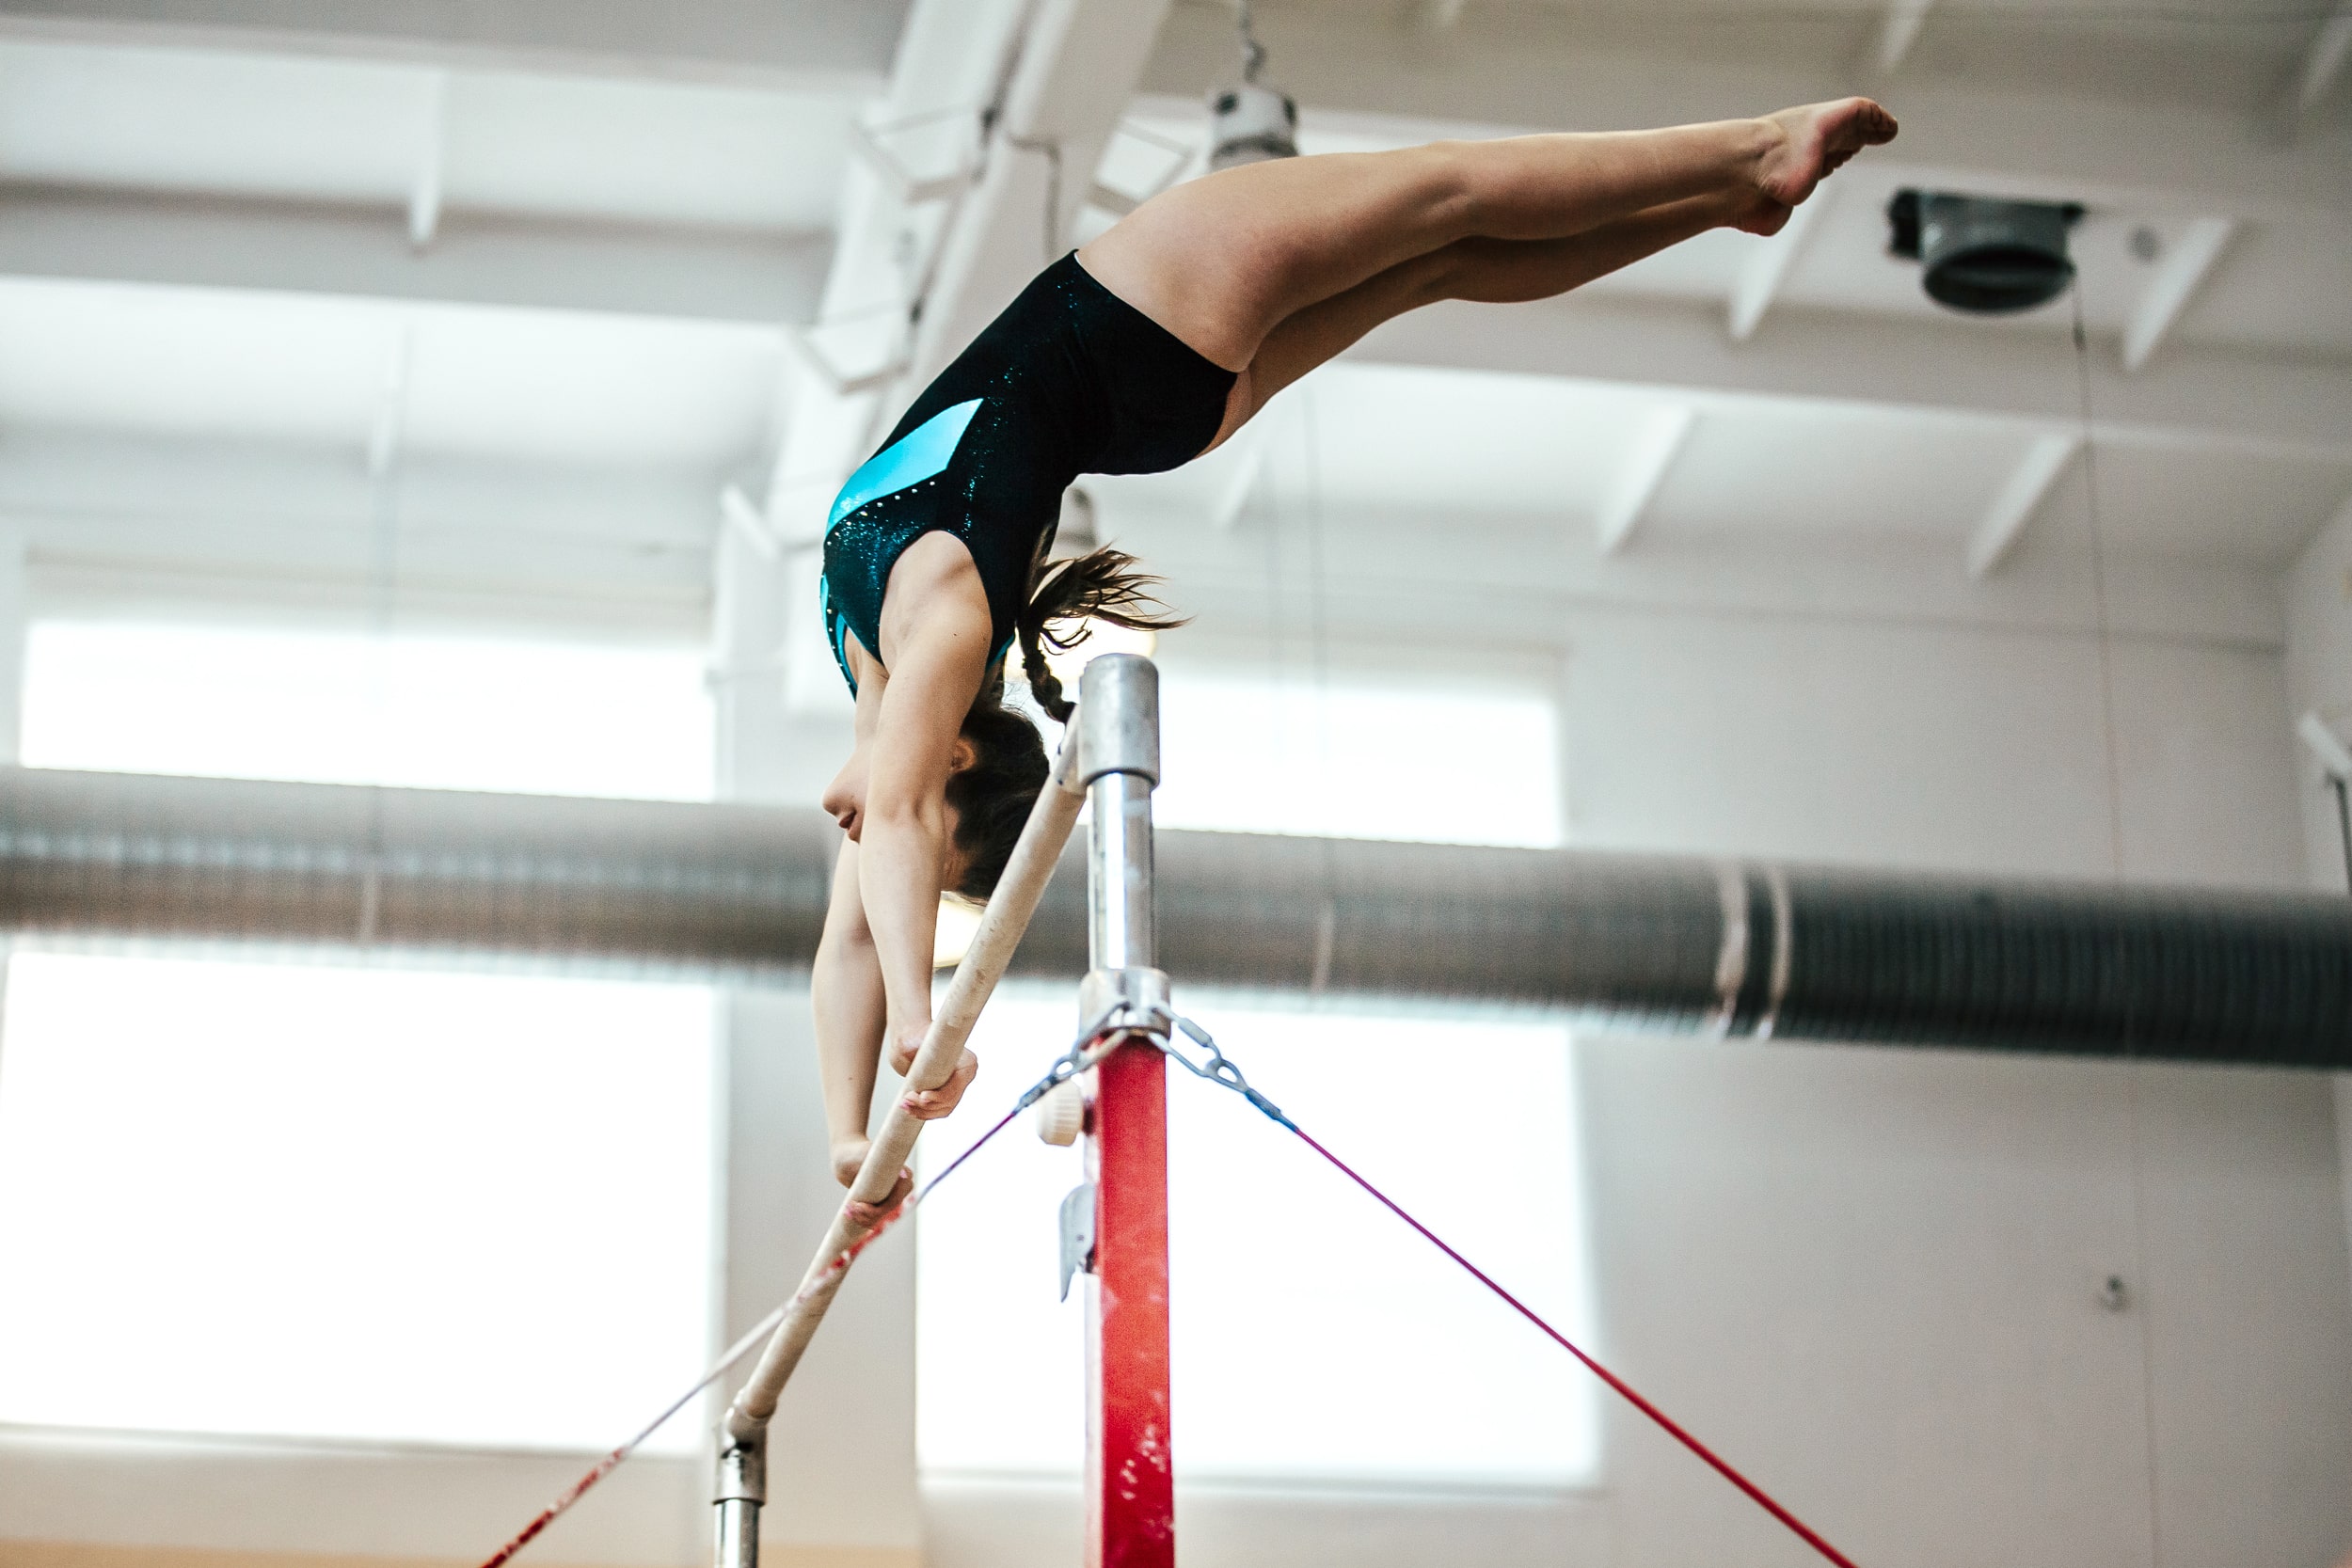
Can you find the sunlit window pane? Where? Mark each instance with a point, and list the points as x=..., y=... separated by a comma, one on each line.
x=1248, y=753
x=1316, y=1336
x=318, y=1201
x=445, y=713
x=323, y=1201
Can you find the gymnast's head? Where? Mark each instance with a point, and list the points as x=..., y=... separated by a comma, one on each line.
x=992, y=791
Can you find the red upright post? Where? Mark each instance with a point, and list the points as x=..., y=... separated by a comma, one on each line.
x=1131, y=1496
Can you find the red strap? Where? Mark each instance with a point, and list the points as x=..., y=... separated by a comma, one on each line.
x=1672, y=1429
x=833, y=1270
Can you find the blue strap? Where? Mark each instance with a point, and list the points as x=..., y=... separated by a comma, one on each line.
x=910, y=460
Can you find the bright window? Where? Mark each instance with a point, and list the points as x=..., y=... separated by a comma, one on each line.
x=317, y=1200
x=1316, y=1336
x=430, y=712
x=1355, y=759
x=350, y=1203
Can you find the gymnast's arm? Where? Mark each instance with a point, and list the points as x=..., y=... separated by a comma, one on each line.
x=906, y=853
x=846, y=990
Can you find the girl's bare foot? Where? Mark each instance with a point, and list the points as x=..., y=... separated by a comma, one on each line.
x=1814, y=139
x=1763, y=216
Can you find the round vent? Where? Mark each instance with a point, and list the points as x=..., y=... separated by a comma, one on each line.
x=1984, y=256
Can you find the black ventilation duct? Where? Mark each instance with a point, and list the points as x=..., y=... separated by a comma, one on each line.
x=1981, y=255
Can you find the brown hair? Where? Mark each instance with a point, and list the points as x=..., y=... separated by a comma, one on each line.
x=1101, y=585
x=992, y=796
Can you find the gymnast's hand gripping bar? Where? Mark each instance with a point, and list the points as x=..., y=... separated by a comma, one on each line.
x=1000, y=930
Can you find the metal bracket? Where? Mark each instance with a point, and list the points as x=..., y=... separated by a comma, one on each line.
x=805, y=343
x=1078, y=1234
x=742, y=1469
x=871, y=144
x=1143, y=993
x=742, y=1488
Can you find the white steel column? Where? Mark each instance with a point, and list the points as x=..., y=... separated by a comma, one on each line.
x=15, y=617
x=849, y=1479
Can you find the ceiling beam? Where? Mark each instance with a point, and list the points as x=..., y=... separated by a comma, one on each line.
x=2174, y=282
x=363, y=252
x=1076, y=71
x=2193, y=398
x=2323, y=64
x=424, y=190
x=1769, y=263
x=951, y=60
x=2018, y=499
x=755, y=42
x=1897, y=30
x=288, y=529
x=1640, y=474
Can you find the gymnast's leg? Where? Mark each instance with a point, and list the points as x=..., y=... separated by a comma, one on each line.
x=1495, y=272
x=1222, y=260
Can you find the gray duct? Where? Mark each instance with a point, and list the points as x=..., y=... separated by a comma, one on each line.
x=739, y=890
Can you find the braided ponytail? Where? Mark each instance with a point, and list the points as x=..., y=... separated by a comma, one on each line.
x=992, y=798
x=1101, y=585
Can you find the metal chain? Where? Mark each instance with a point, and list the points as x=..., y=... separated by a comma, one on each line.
x=1083, y=1053
x=1219, y=1069
x=1159, y=1028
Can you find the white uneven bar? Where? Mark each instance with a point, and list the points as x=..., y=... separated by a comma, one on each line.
x=1001, y=927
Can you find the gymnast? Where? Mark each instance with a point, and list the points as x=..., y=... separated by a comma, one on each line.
x=1148, y=347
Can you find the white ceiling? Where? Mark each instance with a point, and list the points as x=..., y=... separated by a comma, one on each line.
x=2284, y=282
x=1464, y=446
x=306, y=127
x=679, y=370
x=534, y=386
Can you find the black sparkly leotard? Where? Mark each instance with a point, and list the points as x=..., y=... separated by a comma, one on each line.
x=1070, y=379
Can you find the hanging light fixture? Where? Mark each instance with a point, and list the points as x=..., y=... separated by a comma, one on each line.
x=1983, y=255
x=1252, y=122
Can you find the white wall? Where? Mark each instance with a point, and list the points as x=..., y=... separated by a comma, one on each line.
x=1929, y=746
x=1872, y=1275
x=2319, y=676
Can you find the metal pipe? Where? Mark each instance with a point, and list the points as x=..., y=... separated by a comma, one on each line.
x=1119, y=756
x=738, y=892
x=741, y=1491
x=1120, y=927
x=1129, y=1474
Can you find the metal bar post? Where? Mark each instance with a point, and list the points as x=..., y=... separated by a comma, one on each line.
x=1131, y=1501
x=742, y=1490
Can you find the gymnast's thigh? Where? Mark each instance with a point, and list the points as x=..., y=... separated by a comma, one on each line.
x=1221, y=260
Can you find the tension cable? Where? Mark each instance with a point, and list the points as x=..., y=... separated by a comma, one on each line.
x=1093, y=1043
x=1220, y=1070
